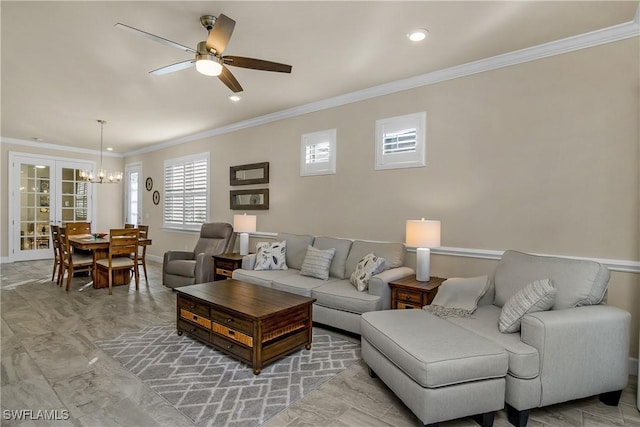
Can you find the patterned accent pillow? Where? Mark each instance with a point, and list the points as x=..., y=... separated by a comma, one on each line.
x=536, y=296
x=317, y=262
x=271, y=256
x=368, y=266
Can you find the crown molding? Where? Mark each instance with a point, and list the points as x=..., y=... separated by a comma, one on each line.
x=49, y=146
x=558, y=47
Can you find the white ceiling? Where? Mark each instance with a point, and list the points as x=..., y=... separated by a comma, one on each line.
x=64, y=65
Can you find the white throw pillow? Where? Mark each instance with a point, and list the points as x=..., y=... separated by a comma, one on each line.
x=317, y=262
x=536, y=296
x=271, y=256
x=368, y=266
x=458, y=296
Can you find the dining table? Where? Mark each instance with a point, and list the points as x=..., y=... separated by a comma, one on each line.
x=99, y=247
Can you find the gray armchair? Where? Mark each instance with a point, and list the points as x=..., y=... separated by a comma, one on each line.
x=182, y=268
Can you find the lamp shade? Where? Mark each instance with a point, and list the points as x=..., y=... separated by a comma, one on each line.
x=244, y=223
x=423, y=233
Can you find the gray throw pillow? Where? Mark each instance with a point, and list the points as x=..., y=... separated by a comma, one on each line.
x=536, y=296
x=317, y=262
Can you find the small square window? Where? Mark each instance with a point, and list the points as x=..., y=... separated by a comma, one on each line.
x=318, y=153
x=400, y=141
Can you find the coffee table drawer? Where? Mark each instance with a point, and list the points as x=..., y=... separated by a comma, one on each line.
x=232, y=322
x=192, y=317
x=193, y=306
x=194, y=330
x=232, y=347
x=232, y=334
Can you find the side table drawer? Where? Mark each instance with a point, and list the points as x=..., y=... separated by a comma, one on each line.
x=409, y=297
x=223, y=272
x=404, y=305
x=225, y=264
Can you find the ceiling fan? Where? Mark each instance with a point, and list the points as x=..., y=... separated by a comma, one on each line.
x=208, y=55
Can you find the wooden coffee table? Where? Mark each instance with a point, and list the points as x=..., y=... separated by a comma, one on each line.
x=254, y=324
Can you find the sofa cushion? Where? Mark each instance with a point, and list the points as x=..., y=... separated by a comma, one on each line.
x=297, y=284
x=296, y=248
x=524, y=360
x=536, y=296
x=271, y=256
x=577, y=282
x=368, y=266
x=393, y=253
x=432, y=351
x=317, y=262
x=341, y=295
x=262, y=277
x=339, y=261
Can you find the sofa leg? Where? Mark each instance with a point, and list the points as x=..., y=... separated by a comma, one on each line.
x=486, y=419
x=432, y=425
x=611, y=398
x=372, y=373
x=517, y=418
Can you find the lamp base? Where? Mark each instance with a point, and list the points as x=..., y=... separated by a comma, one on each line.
x=423, y=260
x=244, y=244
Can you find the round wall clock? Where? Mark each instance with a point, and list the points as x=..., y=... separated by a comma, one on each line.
x=149, y=184
x=156, y=197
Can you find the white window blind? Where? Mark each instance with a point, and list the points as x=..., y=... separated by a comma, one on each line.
x=400, y=141
x=186, y=192
x=318, y=153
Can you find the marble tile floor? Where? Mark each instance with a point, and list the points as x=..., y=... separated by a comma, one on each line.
x=49, y=361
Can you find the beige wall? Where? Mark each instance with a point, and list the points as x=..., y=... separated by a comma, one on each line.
x=540, y=157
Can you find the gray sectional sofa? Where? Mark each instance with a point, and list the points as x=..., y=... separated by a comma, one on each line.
x=338, y=303
x=458, y=366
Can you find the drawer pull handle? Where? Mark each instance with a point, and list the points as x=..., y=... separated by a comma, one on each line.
x=232, y=332
x=229, y=320
x=195, y=317
x=408, y=297
x=229, y=347
x=193, y=329
x=192, y=306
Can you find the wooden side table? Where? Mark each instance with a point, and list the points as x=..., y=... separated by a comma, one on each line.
x=410, y=293
x=224, y=264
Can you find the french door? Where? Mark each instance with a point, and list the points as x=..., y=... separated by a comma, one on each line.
x=44, y=191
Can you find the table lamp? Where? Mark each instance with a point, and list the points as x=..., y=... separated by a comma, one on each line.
x=423, y=234
x=244, y=224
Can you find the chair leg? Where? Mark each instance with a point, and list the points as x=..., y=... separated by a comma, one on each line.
x=69, y=276
x=55, y=267
x=110, y=281
x=137, y=273
x=144, y=267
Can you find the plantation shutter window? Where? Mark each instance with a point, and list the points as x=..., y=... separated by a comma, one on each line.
x=400, y=141
x=186, y=188
x=318, y=153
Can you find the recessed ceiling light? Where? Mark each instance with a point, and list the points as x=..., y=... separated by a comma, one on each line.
x=109, y=148
x=234, y=97
x=418, y=35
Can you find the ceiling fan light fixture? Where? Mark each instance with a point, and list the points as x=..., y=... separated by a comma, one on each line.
x=208, y=65
x=417, y=35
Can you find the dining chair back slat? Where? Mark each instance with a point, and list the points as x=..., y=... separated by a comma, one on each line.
x=142, y=251
x=74, y=228
x=57, y=259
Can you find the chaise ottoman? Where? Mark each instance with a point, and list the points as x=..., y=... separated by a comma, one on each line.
x=439, y=370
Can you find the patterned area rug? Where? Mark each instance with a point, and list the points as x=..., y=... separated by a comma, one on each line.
x=214, y=389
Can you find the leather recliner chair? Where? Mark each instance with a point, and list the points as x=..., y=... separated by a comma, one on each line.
x=182, y=268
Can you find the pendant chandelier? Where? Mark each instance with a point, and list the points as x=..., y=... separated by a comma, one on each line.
x=102, y=176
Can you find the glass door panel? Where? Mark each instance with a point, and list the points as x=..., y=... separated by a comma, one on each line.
x=74, y=196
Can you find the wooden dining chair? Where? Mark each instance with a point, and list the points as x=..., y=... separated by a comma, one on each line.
x=129, y=226
x=123, y=254
x=57, y=259
x=74, y=228
x=142, y=249
x=71, y=262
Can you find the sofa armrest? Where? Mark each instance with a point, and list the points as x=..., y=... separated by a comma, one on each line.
x=204, y=268
x=583, y=351
x=174, y=255
x=248, y=261
x=379, y=284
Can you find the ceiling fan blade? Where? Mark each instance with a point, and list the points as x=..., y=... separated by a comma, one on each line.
x=256, y=64
x=155, y=38
x=220, y=34
x=228, y=79
x=173, y=67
